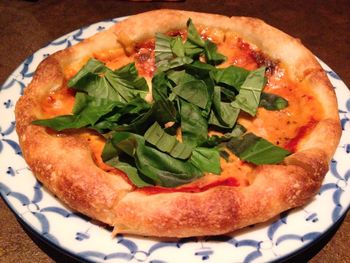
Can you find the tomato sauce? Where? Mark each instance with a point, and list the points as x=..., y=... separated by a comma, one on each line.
x=189, y=189
x=145, y=58
x=302, y=132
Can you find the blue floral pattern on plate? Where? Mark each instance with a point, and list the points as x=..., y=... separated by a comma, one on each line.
x=82, y=237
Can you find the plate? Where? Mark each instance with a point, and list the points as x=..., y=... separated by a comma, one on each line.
x=76, y=234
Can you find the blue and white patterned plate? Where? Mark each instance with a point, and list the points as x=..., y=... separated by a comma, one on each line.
x=77, y=235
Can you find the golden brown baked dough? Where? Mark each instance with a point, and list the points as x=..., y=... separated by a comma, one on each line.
x=65, y=163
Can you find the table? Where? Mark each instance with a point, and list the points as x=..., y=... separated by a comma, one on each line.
x=26, y=26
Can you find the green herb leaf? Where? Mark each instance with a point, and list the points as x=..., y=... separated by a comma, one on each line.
x=206, y=159
x=271, y=101
x=194, y=127
x=231, y=76
x=99, y=81
x=237, y=131
x=200, y=69
x=192, y=50
x=248, y=98
x=211, y=54
x=180, y=77
x=127, y=115
x=163, y=110
x=156, y=136
x=159, y=86
x=86, y=73
x=87, y=111
x=170, y=53
x=256, y=150
x=209, y=48
x=177, y=47
x=162, y=48
x=109, y=151
x=215, y=140
x=163, y=169
x=224, y=114
x=193, y=35
x=165, y=65
x=194, y=91
x=132, y=173
x=110, y=156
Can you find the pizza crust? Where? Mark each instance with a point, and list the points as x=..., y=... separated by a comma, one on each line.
x=64, y=163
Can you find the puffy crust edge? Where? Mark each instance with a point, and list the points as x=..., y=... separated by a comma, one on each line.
x=63, y=163
x=224, y=209
x=86, y=188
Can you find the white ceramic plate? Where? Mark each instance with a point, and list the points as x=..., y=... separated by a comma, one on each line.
x=77, y=235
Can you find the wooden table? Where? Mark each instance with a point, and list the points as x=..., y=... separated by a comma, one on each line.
x=26, y=26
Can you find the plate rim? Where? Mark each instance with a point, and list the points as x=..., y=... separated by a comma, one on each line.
x=71, y=253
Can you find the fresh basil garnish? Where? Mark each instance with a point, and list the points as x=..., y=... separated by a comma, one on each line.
x=194, y=126
x=86, y=112
x=257, y=150
x=248, y=98
x=156, y=136
x=271, y=101
x=160, y=167
x=98, y=81
x=207, y=47
x=166, y=142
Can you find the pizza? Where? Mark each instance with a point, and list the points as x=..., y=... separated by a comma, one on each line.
x=177, y=124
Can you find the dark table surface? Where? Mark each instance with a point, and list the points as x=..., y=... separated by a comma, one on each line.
x=26, y=26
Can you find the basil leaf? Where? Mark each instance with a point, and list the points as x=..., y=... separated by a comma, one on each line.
x=249, y=95
x=206, y=159
x=271, y=101
x=161, y=111
x=110, y=156
x=223, y=114
x=86, y=73
x=125, y=116
x=99, y=81
x=193, y=126
x=215, y=140
x=164, y=111
x=192, y=50
x=162, y=48
x=237, y=131
x=193, y=35
x=170, y=53
x=199, y=68
x=109, y=151
x=180, y=77
x=209, y=48
x=231, y=76
x=165, y=65
x=60, y=123
x=156, y=136
x=211, y=54
x=227, y=95
x=177, y=47
x=87, y=111
x=194, y=91
x=256, y=150
x=159, y=86
x=132, y=174
x=163, y=169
